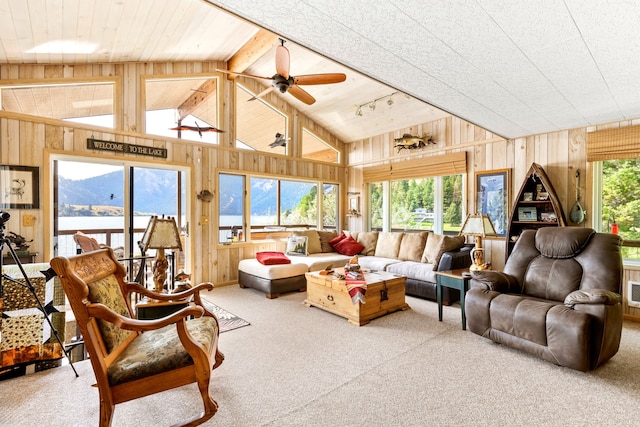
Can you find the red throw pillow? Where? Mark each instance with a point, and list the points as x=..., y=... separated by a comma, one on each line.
x=348, y=247
x=337, y=239
x=272, y=258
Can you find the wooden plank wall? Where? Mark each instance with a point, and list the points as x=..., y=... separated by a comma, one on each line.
x=29, y=141
x=559, y=153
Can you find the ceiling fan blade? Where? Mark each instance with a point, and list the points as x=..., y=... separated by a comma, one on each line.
x=319, y=79
x=282, y=61
x=242, y=74
x=261, y=94
x=301, y=94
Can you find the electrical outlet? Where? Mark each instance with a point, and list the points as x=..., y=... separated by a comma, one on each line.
x=204, y=220
x=28, y=220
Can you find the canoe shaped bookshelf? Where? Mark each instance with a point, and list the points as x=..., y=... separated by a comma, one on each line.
x=535, y=206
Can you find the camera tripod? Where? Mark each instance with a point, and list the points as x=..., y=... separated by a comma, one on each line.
x=4, y=217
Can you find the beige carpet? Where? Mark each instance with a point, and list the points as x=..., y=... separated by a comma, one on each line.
x=300, y=366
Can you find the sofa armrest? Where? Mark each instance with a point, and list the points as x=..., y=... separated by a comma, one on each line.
x=494, y=281
x=459, y=258
x=593, y=296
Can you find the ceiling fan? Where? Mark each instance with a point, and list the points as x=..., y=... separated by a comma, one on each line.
x=285, y=82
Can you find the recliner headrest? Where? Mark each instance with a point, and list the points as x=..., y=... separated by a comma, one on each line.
x=562, y=242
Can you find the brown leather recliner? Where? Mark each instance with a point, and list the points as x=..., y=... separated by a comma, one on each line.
x=558, y=297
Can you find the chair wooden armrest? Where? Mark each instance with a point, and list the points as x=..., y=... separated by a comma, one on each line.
x=101, y=311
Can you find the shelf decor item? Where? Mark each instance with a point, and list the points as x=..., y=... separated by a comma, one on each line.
x=527, y=214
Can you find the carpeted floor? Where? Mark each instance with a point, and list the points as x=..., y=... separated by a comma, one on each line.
x=300, y=366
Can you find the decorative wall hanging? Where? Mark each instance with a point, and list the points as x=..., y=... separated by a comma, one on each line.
x=411, y=142
x=492, y=195
x=19, y=187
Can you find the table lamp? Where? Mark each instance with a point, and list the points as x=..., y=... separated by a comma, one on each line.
x=161, y=233
x=478, y=226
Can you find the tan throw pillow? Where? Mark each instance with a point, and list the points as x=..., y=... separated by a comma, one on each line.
x=313, y=240
x=368, y=239
x=437, y=244
x=388, y=244
x=325, y=237
x=412, y=246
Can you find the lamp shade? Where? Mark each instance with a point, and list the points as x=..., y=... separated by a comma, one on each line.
x=478, y=225
x=161, y=233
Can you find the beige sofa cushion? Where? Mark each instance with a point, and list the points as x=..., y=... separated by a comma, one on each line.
x=368, y=239
x=388, y=244
x=325, y=237
x=412, y=246
x=437, y=244
x=313, y=240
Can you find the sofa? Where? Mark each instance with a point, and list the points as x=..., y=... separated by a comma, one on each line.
x=415, y=255
x=558, y=297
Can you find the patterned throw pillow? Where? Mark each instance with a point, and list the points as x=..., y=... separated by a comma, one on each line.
x=297, y=245
x=107, y=291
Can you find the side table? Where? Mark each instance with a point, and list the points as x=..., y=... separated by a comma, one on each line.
x=149, y=310
x=456, y=280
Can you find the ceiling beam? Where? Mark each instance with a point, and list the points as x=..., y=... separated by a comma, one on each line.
x=259, y=44
x=249, y=53
x=198, y=96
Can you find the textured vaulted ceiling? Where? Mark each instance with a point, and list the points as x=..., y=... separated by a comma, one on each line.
x=516, y=68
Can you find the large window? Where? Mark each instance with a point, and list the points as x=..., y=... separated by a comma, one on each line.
x=617, y=204
x=76, y=101
x=185, y=108
x=259, y=126
x=434, y=203
x=314, y=148
x=274, y=206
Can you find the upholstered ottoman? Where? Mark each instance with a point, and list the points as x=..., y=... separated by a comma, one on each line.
x=272, y=279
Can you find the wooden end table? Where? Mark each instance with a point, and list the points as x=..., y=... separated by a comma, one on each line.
x=453, y=279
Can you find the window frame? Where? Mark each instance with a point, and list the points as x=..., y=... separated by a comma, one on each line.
x=258, y=233
x=438, y=220
x=597, y=209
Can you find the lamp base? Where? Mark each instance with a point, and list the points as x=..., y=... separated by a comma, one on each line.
x=160, y=271
x=477, y=260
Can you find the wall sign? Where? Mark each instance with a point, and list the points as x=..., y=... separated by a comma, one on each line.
x=121, y=147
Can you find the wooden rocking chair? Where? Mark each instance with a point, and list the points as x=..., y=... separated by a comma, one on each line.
x=134, y=358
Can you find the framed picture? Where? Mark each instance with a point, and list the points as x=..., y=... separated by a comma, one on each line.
x=19, y=187
x=548, y=217
x=492, y=196
x=354, y=205
x=527, y=214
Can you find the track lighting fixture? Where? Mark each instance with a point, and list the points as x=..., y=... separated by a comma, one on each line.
x=372, y=104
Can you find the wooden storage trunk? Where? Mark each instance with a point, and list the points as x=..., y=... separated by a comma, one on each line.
x=385, y=294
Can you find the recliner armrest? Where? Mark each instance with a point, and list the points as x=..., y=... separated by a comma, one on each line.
x=494, y=281
x=593, y=296
x=459, y=258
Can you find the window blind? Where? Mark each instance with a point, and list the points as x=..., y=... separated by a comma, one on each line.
x=612, y=144
x=447, y=164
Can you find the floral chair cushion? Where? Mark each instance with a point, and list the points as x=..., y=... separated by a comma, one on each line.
x=160, y=350
x=107, y=291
